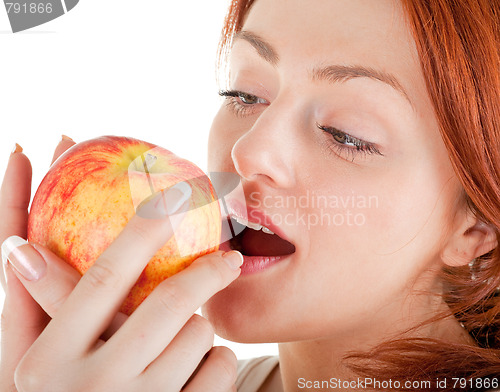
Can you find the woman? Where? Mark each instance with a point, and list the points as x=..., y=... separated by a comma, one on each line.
x=366, y=135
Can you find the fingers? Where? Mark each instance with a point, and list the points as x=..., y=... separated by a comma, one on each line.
x=54, y=281
x=22, y=322
x=96, y=299
x=192, y=342
x=65, y=143
x=158, y=319
x=218, y=373
x=15, y=195
x=22, y=319
x=47, y=278
x=59, y=279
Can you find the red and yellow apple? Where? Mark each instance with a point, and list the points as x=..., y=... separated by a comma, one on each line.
x=93, y=189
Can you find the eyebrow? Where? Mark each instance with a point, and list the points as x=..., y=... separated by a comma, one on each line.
x=331, y=73
x=264, y=49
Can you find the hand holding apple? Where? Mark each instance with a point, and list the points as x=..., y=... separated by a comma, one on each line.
x=91, y=191
x=143, y=353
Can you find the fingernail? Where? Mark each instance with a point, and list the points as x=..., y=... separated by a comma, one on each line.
x=166, y=202
x=5, y=270
x=176, y=196
x=64, y=137
x=233, y=258
x=17, y=148
x=24, y=258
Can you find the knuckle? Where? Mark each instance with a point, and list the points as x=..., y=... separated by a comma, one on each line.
x=216, y=270
x=7, y=318
x=56, y=303
x=101, y=381
x=4, y=323
x=28, y=376
x=142, y=232
x=202, y=329
x=172, y=300
x=226, y=363
x=11, y=321
x=100, y=276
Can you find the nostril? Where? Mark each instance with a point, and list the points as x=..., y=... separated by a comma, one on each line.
x=258, y=157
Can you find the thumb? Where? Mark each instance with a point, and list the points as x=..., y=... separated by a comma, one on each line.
x=46, y=277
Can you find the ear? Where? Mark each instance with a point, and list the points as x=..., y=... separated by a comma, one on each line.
x=469, y=239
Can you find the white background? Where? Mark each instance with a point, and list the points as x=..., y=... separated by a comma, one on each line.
x=116, y=67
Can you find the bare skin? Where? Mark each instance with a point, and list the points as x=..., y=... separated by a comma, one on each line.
x=347, y=286
x=60, y=331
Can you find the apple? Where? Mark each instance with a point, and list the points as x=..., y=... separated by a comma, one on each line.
x=93, y=189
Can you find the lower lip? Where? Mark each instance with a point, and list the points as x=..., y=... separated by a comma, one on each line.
x=253, y=264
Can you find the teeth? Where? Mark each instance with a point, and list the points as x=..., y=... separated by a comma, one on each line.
x=254, y=226
x=251, y=225
x=266, y=230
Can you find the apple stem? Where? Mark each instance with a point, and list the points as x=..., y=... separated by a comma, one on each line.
x=148, y=163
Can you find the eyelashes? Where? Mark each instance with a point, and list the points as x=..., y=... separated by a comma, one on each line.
x=346, y=143
x=243, y=104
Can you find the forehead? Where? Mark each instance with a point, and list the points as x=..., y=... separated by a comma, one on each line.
x=310, y=33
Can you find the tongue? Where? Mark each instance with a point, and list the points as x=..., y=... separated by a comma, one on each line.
x=258, y=243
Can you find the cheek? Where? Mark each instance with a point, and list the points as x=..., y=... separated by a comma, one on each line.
x=401, y=206
x=415, y=207
x=382, y=227
x=225, y=131
x=384, y=230
x=217, y=143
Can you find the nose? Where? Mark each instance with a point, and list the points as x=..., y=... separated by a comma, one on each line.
x=265, y=152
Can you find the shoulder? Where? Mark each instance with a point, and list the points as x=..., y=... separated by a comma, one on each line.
x=253, y=372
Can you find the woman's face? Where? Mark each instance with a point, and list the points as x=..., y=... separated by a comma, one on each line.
x=332, y=132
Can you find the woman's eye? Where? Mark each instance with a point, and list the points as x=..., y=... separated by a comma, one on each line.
x=340, y=137
x=344, y=143
x=249, y=99
x=242, y=103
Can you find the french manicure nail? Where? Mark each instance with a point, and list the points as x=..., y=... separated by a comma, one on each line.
x=5, y=273
x=24, y=258
x=233, y=258
x=17, y=148
x=64, y=137
x=166, y=202
x=176, y=196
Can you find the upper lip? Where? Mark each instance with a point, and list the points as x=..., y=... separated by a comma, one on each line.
x=254, y=215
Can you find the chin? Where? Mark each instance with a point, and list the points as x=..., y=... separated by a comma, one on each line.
x=248, y=310
x=237, y=319
x=232, y=317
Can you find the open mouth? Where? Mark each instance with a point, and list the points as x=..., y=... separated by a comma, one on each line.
x=256, y=240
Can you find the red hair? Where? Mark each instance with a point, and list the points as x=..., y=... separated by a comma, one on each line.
x=459, y=47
